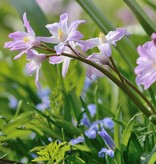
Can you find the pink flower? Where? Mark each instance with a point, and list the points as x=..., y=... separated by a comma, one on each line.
x=62, y=33
x=146, y=69
x=104, y=42
x=35, y=62
x=23, y=41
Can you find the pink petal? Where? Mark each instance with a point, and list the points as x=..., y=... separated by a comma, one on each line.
x=27, y=25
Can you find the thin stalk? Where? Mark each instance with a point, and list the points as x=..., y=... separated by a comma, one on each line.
x=121, y=85
x=76, y=53
x=116, y=70
x=136, y=90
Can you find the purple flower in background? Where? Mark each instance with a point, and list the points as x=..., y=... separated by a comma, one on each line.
x=44, y=96
x=95, y=126
x=108, y=123
x=35, y=63
x=91, y=133
x=104, y=151
x=107, y=139
x=92, y=110
x=146, y=69
x=62, y=33
x=13, y=102
x=23, y=41
x=77, y=140
x=103, y=42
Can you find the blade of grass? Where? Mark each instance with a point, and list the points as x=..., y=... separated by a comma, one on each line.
x=142, y=17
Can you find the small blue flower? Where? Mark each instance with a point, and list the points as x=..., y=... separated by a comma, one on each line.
x=108, y=123
x=85, y=120
x=107, y=139
x=104, y=151
x=43, y=94
x=77, y=140
x=13, y=102
x=90, y=133
x=92, y=109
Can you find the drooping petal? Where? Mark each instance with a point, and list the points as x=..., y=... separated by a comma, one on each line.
x=37, y=78
x=65, y=66
x=27, y=25
x=20, y=55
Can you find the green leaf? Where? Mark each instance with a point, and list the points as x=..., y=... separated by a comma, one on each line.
x=53, y=153
x=142, y=17
x=110, y=160
x=152, y=160
x=127, y=132
x=96, y=15
x=117, y=129
x=117, y=156
x=75, y=159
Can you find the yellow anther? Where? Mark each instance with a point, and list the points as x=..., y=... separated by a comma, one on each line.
x=102, y=38
x=60, y=34
x=154, y=65
x=26, y=39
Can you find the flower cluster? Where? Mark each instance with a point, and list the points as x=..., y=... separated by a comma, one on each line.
x=66, y=39
x=146, y=69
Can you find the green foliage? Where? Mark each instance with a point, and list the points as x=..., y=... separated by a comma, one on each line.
x=53, y=153
x=24, y=127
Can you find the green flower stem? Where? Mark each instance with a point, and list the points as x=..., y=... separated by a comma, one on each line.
x=121, y=85
x=116, y=70
x=135, y=89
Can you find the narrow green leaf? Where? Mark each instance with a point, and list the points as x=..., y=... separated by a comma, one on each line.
x=96, y=15
x=75, y=159
x=110, y=160
x=117, y=129
x=76, y=104
x=142, y=17
x=127, y=132
x=152, y=160
x=151, y=4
